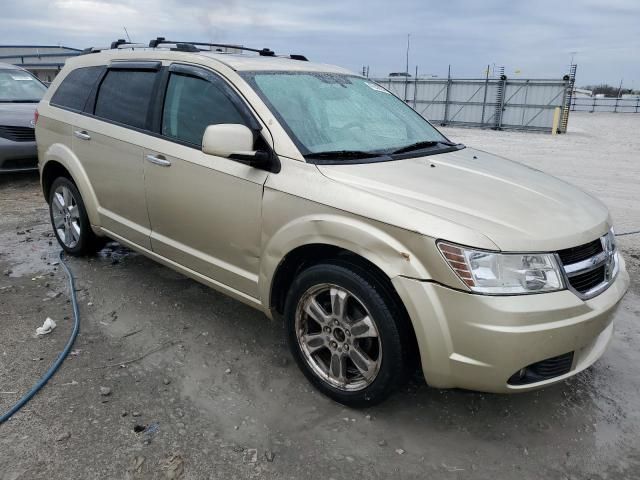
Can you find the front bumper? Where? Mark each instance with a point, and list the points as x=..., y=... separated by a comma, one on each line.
x=478, y=342
x=18, y=156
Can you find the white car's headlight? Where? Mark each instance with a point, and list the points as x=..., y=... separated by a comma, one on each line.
x=503, y=273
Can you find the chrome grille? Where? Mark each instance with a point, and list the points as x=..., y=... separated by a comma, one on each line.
x=577, y=254
x=17, y=134
x=590, y=268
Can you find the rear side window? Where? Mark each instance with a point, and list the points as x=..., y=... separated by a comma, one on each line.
x=74, y=90
x=125, y=96
x=191, y=105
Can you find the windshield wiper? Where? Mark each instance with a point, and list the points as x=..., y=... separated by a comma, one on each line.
x=421, y=145
x=19, y=101
x=337, y=154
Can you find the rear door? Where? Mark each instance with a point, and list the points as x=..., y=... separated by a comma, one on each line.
x=205, y=210
x=108, y=141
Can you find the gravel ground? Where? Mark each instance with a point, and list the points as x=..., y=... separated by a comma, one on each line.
x=212, y=386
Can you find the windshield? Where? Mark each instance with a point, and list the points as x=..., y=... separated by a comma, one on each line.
x=20, y=86
x=342, y=114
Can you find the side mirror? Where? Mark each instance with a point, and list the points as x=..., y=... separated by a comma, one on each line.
x=235, y=141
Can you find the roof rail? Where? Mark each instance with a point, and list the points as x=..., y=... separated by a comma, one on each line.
x=265, y=52
x=121, y=41
x=114, y=46
x=193, y=46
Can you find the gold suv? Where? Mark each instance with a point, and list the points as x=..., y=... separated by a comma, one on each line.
x=316, y=196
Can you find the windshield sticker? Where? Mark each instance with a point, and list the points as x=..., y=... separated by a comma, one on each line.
x=375, y=87
x=21, y=77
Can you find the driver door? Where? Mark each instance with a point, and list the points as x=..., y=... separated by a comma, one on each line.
x=204, y=210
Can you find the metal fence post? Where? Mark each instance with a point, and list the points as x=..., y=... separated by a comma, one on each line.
x=526, y=91
x=484, y=100
x=637, y=103
x=446, y=101
x=415, y=89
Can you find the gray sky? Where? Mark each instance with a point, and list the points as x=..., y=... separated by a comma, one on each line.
x=535, y=38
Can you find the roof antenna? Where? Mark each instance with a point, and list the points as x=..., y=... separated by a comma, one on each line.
x=127, y=34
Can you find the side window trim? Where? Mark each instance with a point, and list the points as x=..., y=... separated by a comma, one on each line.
x=87, y=102
x=158, y=96
x=220, y=82
x=94, y=97
x=90, y=104
x=138, y=65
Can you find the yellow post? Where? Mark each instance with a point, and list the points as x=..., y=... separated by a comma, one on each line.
x=556, y=121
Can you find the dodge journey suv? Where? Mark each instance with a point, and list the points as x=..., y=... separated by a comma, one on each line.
x=318, y=197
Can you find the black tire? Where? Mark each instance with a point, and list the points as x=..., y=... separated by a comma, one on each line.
x=389, y=320
x=87, y=243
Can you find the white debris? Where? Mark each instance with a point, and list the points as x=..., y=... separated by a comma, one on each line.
x=47, y=327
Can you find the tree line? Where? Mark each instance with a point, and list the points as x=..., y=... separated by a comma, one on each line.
x=609, y=90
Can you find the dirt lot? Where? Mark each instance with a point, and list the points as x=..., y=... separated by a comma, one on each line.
x=223, y=399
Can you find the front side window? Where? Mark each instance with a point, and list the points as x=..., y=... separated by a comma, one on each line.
x=18, y=86
x=125, y=96
x=191, y=105
x=328, y=112
x=74, y=90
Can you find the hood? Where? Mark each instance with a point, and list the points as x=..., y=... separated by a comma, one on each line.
x=17, y=114
x=516, y=207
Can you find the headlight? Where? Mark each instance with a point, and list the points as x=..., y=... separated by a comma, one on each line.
x=503, y=273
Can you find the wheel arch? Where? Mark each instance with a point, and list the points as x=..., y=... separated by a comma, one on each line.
x=61, y=162
x=349, y=242
x=323, y=236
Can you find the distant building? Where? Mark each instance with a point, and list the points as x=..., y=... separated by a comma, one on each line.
x=44, y=61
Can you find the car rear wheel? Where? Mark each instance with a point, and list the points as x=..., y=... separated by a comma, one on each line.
x=346, y=334
x=69, y=219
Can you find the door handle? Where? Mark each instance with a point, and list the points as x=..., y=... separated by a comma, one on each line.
x=159, y=160
x=82, y=135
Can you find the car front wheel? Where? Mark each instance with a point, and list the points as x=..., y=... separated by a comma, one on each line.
x=346, y=334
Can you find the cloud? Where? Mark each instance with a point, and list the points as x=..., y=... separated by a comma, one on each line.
x=537, y=38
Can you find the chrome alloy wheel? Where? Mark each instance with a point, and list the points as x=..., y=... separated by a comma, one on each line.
x=66, y=216
x=338, y=338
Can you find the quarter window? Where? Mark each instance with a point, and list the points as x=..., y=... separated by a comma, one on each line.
x=76, y=87
x=191, y=105
x=125, y=96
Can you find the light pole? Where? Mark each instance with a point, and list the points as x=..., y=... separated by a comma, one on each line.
x=408, y=45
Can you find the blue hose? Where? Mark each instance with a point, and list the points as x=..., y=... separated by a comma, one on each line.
x=45, y=378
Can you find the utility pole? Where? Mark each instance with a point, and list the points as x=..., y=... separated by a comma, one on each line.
x=406, y=70
x=408, y=45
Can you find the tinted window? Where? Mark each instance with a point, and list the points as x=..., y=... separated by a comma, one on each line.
x=125, y=95
x=76, y=87
x=191, y=104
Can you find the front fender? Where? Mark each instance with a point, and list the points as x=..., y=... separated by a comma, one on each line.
x=389, y=253
x=64, y=155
